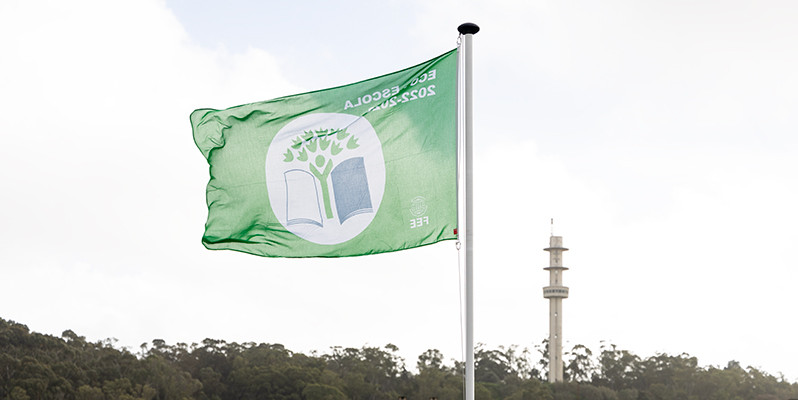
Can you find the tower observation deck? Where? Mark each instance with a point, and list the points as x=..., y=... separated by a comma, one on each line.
x=555, y=292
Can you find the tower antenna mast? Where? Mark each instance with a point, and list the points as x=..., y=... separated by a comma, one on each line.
x=555, y=292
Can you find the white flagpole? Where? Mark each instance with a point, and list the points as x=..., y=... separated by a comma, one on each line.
x=467, y=31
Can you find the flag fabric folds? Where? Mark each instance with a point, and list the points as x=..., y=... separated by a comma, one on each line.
x=358, y=169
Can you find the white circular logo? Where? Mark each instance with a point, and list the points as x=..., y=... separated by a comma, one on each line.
x=325, y=175
x=418, y=206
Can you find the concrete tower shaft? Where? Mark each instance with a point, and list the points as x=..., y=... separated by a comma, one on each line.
x=555, y=292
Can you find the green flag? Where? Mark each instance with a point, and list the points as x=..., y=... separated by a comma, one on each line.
x=358, y=169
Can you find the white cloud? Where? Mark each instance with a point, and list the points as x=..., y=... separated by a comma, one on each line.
x=98, y=98
x=105, y=186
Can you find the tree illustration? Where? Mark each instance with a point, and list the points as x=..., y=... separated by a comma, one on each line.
x=317, y=148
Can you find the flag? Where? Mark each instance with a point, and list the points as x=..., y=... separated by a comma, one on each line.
x=364, y=168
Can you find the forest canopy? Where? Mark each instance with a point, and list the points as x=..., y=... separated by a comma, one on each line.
x=38, y=366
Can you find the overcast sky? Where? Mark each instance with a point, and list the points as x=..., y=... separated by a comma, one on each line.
x=660, y=136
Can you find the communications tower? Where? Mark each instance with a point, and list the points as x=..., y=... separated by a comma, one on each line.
x=555, y=292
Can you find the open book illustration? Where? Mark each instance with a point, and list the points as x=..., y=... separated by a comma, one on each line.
x=350, y=191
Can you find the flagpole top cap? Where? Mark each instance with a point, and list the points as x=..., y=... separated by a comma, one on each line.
x=468, y=28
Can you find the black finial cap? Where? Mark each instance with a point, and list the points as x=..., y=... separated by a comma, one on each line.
x=468, y=28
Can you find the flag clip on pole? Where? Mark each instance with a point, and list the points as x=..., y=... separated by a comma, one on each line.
x=467, y=31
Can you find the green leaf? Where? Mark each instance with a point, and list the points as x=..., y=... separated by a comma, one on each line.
x=303, y=155
x=335, y=149
x=289, y=156
x=341, y=134
x=352, y=143
x=324, y=143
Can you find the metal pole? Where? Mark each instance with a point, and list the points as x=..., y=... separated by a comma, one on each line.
x=467, y=31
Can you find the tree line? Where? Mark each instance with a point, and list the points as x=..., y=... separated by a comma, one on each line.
x=35, y=366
